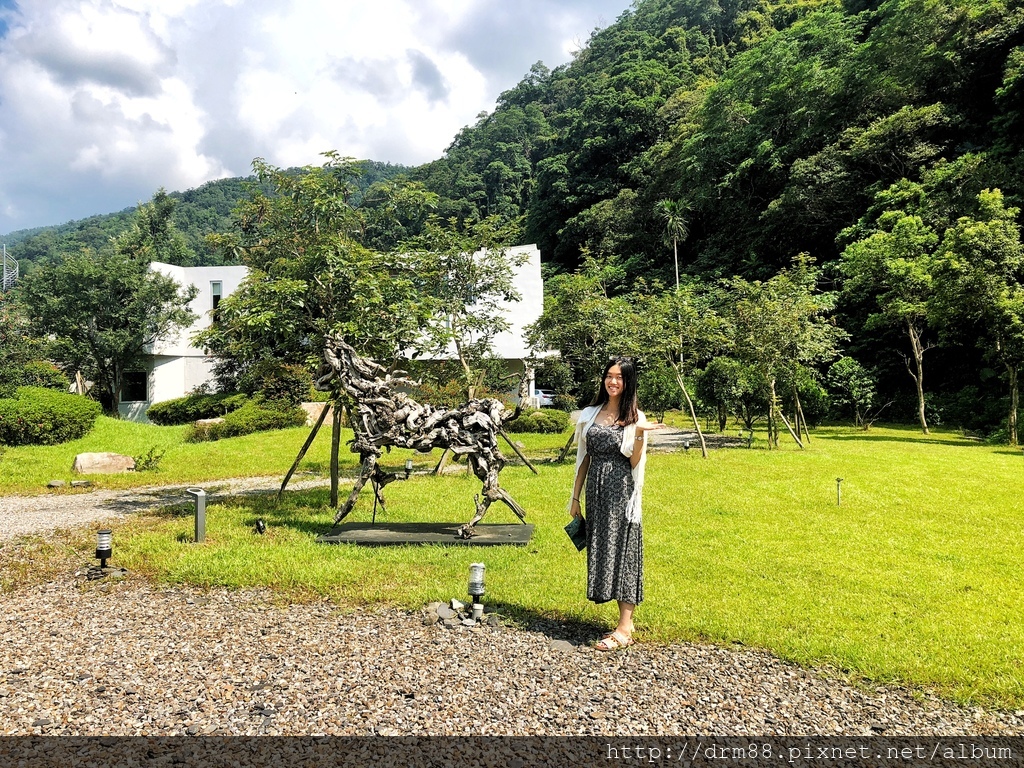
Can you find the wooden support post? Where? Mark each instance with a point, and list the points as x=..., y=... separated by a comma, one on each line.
x=305, y=447
x=519, y=453
x=335, y=446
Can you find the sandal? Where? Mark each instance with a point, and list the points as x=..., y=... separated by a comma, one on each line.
x=614, y=642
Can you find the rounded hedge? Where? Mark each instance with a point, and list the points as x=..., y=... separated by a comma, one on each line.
x=545, y=420
x=41, y=373
x=255, y=416
x=37, y=416
x=184, y=410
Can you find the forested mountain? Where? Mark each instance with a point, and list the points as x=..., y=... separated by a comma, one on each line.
x=197, y=213
x=774, y=128
x=773, y=123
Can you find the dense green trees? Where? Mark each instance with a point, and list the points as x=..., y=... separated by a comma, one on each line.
x=99, y=310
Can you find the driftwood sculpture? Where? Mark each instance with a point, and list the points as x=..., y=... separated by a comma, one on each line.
x=383, y=417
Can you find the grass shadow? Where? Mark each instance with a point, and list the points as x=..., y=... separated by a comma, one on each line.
x=868, y=437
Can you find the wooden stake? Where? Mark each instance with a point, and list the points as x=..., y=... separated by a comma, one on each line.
x=305, y=447
x=335, y=444
x=519, y=453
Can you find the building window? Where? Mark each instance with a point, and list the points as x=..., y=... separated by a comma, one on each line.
x=217, y=291
x=134, y=388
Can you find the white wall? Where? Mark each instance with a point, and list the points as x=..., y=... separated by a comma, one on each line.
x=202, y=278
x=175, y=366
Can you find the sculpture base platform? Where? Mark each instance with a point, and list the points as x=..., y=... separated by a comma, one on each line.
x=392, y=534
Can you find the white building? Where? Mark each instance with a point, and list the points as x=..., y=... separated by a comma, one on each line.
x=175, y=367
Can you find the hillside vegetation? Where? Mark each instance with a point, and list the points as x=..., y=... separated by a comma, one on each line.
x=863, y=133
x=196, y=213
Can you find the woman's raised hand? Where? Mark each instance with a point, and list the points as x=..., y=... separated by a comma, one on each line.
x=649, y=426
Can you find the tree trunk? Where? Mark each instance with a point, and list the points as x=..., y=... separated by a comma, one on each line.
x=800, y=415
x=775, y=407
x=1012, y=373
x=335, y=445
x=918, y=349
x=693, y=412
x=675, y=254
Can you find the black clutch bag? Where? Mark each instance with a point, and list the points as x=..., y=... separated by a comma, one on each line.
x=577, y=531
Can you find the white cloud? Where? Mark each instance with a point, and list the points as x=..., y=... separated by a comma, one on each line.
x=104, y=101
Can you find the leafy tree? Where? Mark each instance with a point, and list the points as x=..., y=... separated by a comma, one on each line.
x=780, y=326
x=468, y=274
x=580, y=320
x=722, y=386
x=979, y=277
x=894, y=264
x=309, y=276
x=852, y=387
x=683, y=328
x=153, y=236
x=657, y=388
x=17, y=346
x=672, y=212
x=101, y=311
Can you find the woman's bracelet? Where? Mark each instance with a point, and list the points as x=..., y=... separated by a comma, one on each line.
x=575, y=499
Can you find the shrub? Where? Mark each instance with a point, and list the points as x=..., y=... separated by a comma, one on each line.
x=256, y=415
x=183, y=410
x=40, y=373
x=546, y=420
x=37, y=416
x=276, y=381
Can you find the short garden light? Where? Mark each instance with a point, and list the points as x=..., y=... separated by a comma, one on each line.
x=476, y=581
x=103, y=546
x=408, y=468
x=686, y=445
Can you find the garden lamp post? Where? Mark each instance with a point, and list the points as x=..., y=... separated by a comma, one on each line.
x=104, y=546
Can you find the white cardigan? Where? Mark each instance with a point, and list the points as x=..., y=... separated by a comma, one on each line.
x=586, y=420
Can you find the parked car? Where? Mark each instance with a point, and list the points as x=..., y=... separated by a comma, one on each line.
x=545, y=397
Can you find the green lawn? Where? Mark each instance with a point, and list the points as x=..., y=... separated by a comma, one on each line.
x=917, y=577
x=27, y=469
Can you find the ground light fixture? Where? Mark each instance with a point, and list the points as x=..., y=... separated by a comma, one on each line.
x=476, y=581
x=104, y=551
x=104, y=544
x=408, y=468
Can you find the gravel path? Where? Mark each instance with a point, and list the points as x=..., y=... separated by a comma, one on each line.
x=23, y=515
x=121, y=658
x=126, y=657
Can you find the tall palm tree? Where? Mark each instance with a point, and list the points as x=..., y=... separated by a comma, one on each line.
x=675, y=227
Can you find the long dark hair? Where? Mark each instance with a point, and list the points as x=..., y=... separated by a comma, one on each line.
x=627, y=400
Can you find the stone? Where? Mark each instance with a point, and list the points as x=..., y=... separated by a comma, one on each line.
x=450, y=623
x=445, y=613
x=102, y=464
x=56, y=484
x=81, y=483
x=493, y=620
x=313, y=411
x=562, y=645
x=469, y=622
x=457, y=605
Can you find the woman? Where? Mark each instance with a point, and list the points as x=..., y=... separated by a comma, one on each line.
x=612, y=449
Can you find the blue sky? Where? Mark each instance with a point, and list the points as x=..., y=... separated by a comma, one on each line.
x=104, y=101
